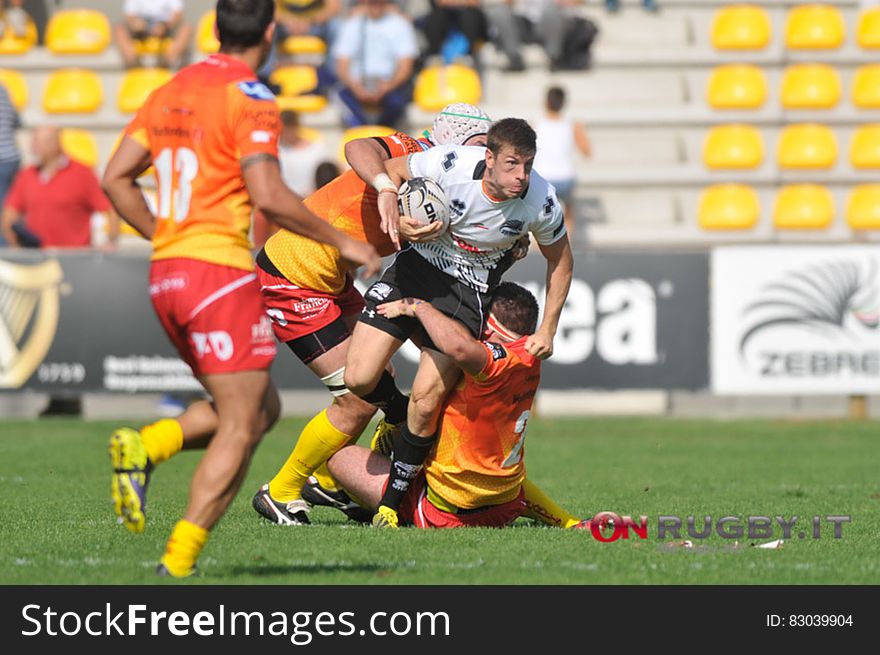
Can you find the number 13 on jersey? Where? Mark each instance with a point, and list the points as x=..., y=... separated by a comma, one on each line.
x=175, y=169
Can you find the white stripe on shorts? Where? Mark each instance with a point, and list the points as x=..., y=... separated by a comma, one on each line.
x=222, y=291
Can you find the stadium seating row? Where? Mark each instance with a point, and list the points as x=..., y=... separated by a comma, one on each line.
x=803, y=146
x=807, y=27
x=80, y=91
x=804, y=86
x=88, y=32
x=797, y=207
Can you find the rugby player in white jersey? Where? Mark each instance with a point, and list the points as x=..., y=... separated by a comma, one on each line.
x=495, y=199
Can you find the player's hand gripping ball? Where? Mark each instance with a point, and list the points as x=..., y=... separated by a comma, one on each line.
x=422, y=199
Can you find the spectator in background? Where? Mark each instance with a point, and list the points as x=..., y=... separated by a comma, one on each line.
x=299, y=156
x=314, y=17
x=463, y=15
x=374, y=54
x=325, y=173
x=10, y=158
x=554, y=161
x=565, y=36
x=56, y=197
x=613, y=6
x=161, y=19
x=13, y=15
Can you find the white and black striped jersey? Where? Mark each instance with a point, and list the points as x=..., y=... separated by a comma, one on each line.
x=476, y=247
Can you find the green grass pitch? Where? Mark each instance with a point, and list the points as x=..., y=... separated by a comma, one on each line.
x=56, y=522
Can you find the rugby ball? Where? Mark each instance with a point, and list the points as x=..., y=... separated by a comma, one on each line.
x=424, y=200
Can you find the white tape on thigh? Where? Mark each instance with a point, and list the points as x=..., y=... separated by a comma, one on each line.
x=335, y=383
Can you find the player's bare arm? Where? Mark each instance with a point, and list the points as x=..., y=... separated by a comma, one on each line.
x=450, y=336
x=559, y=269
x=129, y=161
x=408, y=228
x=279, y=204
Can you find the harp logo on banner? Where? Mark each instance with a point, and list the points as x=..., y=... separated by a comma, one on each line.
x=29, y=309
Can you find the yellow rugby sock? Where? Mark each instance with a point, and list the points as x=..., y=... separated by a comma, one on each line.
x=541, y=507
x=317, y=443
x=162, y=439
x=183, y=548
x=322, y=474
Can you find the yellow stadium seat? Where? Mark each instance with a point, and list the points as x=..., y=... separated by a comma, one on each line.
x=810, y=86
x=807, y=146
x=868, y=29
x=205, y=39
x=305, y=104
x=137, y=85
x=741, y=27
x=78, y=32
x=863, y=207
x=737, y=86
x=866, y=87
x=814, y=27
x=728, y=207
x=864, y=149
x=80, y=145
x=362, y=132
x=733, y=146
x=73, y=91
x=152, y=46
x=12, y=45
x=15, y=86
x=304, y=45
x=295, y=80
x=803, y=207
x=439, y=86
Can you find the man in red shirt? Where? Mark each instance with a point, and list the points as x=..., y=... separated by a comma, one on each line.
x=56, y=197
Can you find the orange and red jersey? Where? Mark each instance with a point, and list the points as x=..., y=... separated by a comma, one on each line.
x=348, y=204
x=478, y=460
x=197, y=128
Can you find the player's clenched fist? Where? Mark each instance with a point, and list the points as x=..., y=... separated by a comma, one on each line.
x=539, y=345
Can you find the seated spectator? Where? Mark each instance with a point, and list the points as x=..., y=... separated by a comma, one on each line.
x=10, y=158
x=565, y=36
x=299, y=157
x=51, y=203
x=300, y=18
x=374, y=55
x=557, y=138
x=13, y=15
x=613, y=6
x=162, y=19
x=314, y=17
x=448, y=15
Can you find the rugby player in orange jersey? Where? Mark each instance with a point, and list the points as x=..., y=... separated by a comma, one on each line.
x=309, y=295
x=211, y=133
x=475, y=475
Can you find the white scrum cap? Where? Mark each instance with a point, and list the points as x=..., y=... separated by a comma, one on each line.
x=458, y=122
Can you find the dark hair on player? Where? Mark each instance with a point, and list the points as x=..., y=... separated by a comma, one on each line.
x=513, y=132
x=241, y=24
x=515, y=307
x=325, y=173
x=555, y=98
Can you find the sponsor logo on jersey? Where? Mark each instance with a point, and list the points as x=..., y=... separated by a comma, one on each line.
x=458, y=207
x=379, y=291
x=498, y=352
x=261, y=136
x=512, y=227
x=256, y=90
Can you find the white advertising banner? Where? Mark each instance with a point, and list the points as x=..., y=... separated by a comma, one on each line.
x=795, y=320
